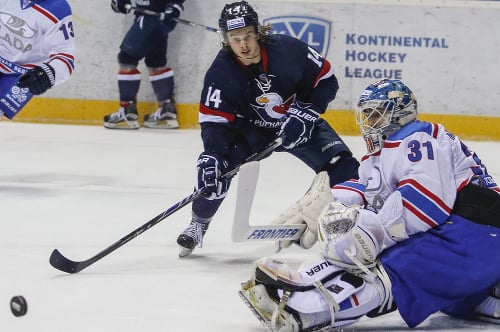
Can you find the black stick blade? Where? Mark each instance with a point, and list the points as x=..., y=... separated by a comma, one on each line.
x=58, y=261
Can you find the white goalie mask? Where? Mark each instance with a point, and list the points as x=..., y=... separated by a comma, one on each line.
x=383, y=108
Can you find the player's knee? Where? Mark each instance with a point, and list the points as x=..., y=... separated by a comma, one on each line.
x=126, y=59
x=155, y=62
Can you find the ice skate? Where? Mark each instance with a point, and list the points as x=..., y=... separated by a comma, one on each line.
x=191, y=237
x=165, y=117
x=124, y=118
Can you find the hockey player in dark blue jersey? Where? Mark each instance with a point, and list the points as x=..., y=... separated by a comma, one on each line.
x=261, y=86
x=146, y=39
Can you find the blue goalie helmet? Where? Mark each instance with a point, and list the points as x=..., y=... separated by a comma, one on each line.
x=237, y=15
x=383, y=108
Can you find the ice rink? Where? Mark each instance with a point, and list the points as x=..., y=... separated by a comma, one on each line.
x=81, y=188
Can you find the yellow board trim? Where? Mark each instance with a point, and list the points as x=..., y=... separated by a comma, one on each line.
x=91, y=112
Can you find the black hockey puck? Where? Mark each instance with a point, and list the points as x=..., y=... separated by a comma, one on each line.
x=18, y=306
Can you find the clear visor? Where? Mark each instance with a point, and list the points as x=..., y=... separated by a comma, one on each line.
x=373, y=115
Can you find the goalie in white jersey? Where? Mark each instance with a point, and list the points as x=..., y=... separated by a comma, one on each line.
x=418, y=232
x=36, y=50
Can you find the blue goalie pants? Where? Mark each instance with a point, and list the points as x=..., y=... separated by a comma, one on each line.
x=451, y=268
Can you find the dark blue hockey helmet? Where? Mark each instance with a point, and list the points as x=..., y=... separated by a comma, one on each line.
x=237, y=15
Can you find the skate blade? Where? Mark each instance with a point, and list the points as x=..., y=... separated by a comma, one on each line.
x=489, y=319
x=184, y=252
x=263, y=320
x=122, y=125
x=167, y=124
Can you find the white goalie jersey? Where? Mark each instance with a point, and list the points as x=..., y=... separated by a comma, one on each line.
x=36, y=32
x=422, y=169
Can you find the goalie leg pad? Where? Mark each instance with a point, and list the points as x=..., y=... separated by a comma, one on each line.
x=321, y=295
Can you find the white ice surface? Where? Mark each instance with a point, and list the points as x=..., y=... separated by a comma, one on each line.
x=81, y=188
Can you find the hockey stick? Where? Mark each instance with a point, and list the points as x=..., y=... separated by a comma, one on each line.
x=58, y=261
x=242, y=230
x=9, y=67
x=178, y=20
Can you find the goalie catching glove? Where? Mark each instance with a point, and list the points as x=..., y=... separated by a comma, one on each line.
x=307, y=210
x=350, y=234
x=298, y=124
x=210, y=168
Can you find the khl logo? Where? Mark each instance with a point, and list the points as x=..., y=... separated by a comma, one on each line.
x=311, y=30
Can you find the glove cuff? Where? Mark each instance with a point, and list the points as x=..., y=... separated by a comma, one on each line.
x=50, y=73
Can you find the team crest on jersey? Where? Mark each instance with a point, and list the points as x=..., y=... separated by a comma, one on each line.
x=16, y=25
x=311, y=30
x=270, y=108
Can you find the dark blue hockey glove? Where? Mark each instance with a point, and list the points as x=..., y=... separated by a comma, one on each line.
x=173, y=10
x=38, y=80
x=119, y=6
x=210, y=167
x=298, y=124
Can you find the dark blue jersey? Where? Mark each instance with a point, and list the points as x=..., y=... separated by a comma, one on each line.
x=260, y=94
x=156, y=5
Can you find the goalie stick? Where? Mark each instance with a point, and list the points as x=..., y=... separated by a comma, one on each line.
x=60, y=262
x=178, y=20
x=242, y=230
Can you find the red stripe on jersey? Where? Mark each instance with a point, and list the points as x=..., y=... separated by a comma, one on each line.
x=5, y=68
x=370, y=155
x=45, y=13
x=68, y=61
x=325, y=70
x=435, y=130
x=426, y=192
x=463, y=184
x=263, y=57
x=66, y=55
x=417, y=213
x=359, y=192
x=208, y=111
x=391, y=145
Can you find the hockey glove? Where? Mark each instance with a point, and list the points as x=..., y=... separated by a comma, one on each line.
x=173, y=10
x=350, y=234
x=298, y=124
x=120, y=6
x=38, y=80
x=210, y=168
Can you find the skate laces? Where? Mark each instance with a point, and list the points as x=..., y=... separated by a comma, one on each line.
x=118, y=115
x=122, y=115
x=195, y=231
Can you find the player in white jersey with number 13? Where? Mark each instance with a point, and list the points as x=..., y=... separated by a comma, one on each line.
x=37, y=49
